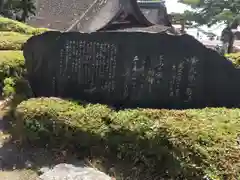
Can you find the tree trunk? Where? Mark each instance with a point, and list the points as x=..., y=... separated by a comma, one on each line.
x=230, y=44
x=182, y=22
x=234, y=25
x=2, y=3
x=227, y=39
x=24, y=15
x=1, y=6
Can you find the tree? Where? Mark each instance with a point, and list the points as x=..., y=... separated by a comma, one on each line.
x=17, y=9
x=184, y=19
x=26, y=8
x=210, y=12
x=6, y=8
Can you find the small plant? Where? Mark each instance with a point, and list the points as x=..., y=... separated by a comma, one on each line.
x=11, y=69
x=235, y=58
x=9, y=87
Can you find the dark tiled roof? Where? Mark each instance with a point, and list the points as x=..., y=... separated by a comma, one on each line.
x=58, y=14
x=61, y=14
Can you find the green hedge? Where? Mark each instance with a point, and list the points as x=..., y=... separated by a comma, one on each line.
x=11, y=63
x=15, y=26
x=168, y=144
x=12, y=69
x=235, y=58
x=12, y=40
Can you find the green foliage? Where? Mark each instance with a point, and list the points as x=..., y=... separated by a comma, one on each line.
x=13, y=35
x=17, y=9
x=235, y=58
x=164, y=144
x=186, y=18
x=15, y=26
x=11, y=64
x=168, y=144
x=12, y=40
x=16, y=86
x=192, y=2
x=11, y=70
x=212, y=12
x=22, y=88
x=8, y=88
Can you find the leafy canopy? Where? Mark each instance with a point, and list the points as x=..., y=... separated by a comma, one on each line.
x=210, y=12
x=17, y=9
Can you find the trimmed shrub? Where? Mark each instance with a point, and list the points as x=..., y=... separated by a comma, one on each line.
x=12, y=40
x=168, y=144
x=15, y=26
x=38, y=31
x=11, y=70
x=11, y=64
x=6, y=33
x=235, y=58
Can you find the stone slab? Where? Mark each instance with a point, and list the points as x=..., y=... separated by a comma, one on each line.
x=131, y=69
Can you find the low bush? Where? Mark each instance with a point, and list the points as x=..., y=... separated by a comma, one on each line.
x=12, y=40
x=15, y=26
x=8, y=87
x=11, y=69
x=11, y=64
x=235, y=58
x=168, y=144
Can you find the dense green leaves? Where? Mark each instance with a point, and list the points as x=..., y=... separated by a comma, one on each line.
x=210, y=12
x=214, y=11
x=10, y=25
x=13, y=35
x=12, y=41
x=17, y=9
x=158, y=144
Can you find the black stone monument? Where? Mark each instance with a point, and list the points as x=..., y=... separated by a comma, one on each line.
x=130, y=67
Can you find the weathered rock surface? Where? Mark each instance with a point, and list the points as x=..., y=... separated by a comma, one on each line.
x=71, y=172
x=131, y=69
